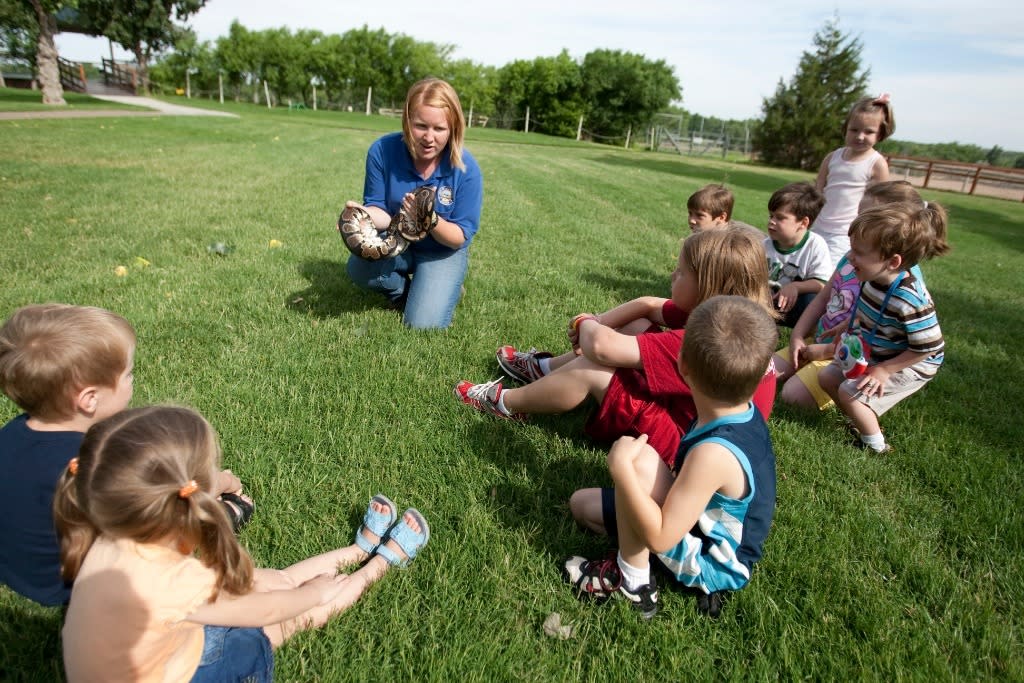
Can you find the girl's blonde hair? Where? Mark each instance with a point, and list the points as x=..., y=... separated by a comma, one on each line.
x=731, y=262
x=916, y=232
x=874, y=105
x=132, y=479
x=892, y=191
x=433, y=92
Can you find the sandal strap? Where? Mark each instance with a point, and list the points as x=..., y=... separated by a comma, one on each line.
x=409, y=541
x=239, y=510
x=378, y=523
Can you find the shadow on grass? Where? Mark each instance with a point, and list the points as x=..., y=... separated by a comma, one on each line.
x=533, y=495
x=987, y=224
x=330, y=292
x=30, y=643
x=630, y=282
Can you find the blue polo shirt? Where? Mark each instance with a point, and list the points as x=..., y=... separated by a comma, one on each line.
x=31, y=463
x=390, y=175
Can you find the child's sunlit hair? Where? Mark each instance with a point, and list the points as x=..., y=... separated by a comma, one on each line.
x=916, y=232
x=731, y=262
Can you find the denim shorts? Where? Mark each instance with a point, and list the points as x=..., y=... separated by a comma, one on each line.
x=235, y=654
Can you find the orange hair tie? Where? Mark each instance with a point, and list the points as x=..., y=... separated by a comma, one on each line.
x=73, y=466
x=188, y=489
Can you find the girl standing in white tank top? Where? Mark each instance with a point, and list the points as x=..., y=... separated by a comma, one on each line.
x=846, y=172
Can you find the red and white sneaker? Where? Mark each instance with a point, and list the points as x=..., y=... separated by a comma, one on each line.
x=522, y=366
x=484, y=397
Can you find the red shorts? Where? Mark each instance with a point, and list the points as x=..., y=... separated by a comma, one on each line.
x=628, y=410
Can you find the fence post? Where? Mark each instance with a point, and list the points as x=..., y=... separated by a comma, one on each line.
x=469, y=124
x=188, y=85
x=928, y=175
x=526, y=126
x=266, y=92
x=974, y=183
x=629, y=133
x=369, y=94
x=579, y=129
x=314, y=98
x=220, y=86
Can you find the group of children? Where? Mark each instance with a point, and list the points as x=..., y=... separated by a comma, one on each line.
x=124, y=516
x=678, y=382
x=103, y=509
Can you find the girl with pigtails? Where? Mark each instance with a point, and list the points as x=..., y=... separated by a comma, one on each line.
x=163, y=590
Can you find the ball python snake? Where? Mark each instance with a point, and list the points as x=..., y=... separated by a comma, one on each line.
x=364, y=240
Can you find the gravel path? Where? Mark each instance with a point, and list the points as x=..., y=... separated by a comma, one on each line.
x=157, y=107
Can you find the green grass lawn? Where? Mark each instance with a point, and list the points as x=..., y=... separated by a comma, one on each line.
x=903, y=567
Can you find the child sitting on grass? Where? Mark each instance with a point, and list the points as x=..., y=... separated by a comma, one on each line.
x=626, y=361
x=67, y=367
x=133, y=509
x=797, y=365
x=798, y=260
x=710, y=208
x=707, y=517
x=895, y=316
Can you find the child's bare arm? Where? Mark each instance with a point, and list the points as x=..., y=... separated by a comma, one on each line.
x=788, y=294
x=643, y=307
x=880, y=171
x=227, y=482
x=704, y=471
x=258, y=609
x=607, y=346
x=822, y=178
x=872, y=382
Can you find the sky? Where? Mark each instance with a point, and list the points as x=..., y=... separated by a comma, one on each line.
x=955, y=70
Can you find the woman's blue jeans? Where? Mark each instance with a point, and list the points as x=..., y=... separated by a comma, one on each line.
x=432, y=291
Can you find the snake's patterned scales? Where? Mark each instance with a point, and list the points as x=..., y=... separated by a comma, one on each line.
x=364, y=240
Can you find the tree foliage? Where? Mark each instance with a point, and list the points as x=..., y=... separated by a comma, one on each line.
x=19, y=31
x=549, y=86
x=144, y=27
x=624, y=90
x=803, y=119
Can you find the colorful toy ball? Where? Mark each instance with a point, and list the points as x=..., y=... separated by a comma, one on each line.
x=852, y=355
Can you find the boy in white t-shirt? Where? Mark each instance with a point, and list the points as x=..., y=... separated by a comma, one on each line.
x=798, y=259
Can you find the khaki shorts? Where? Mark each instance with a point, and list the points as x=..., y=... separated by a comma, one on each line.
x=808, y=376
x=898, y=386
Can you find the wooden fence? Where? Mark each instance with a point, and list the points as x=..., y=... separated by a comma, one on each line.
x=956, y=176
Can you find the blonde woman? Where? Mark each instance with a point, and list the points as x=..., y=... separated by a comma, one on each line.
x=429, y=151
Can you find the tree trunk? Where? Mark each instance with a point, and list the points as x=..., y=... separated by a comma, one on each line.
x=142, y=86
x=47, y=70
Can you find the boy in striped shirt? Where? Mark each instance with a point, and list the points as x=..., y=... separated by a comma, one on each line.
x=895, y=316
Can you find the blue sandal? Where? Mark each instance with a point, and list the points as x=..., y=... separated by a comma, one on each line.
x=377, y=523
x=411, y=542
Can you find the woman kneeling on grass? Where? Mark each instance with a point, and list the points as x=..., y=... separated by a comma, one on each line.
x=132, y=510
x=425, y=281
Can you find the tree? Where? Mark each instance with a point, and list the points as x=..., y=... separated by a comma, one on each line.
x=624, y=90
x=27, y=33
x=803, y=120
x=19, y=31
x=993, y=155
x=144, y=27
x=550, y=86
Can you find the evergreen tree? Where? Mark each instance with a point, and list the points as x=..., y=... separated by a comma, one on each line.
x=803, y=120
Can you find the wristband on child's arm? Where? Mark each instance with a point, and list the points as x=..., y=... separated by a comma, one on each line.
x=578, y=320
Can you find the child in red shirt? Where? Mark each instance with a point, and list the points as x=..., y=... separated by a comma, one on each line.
x=626, y=359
